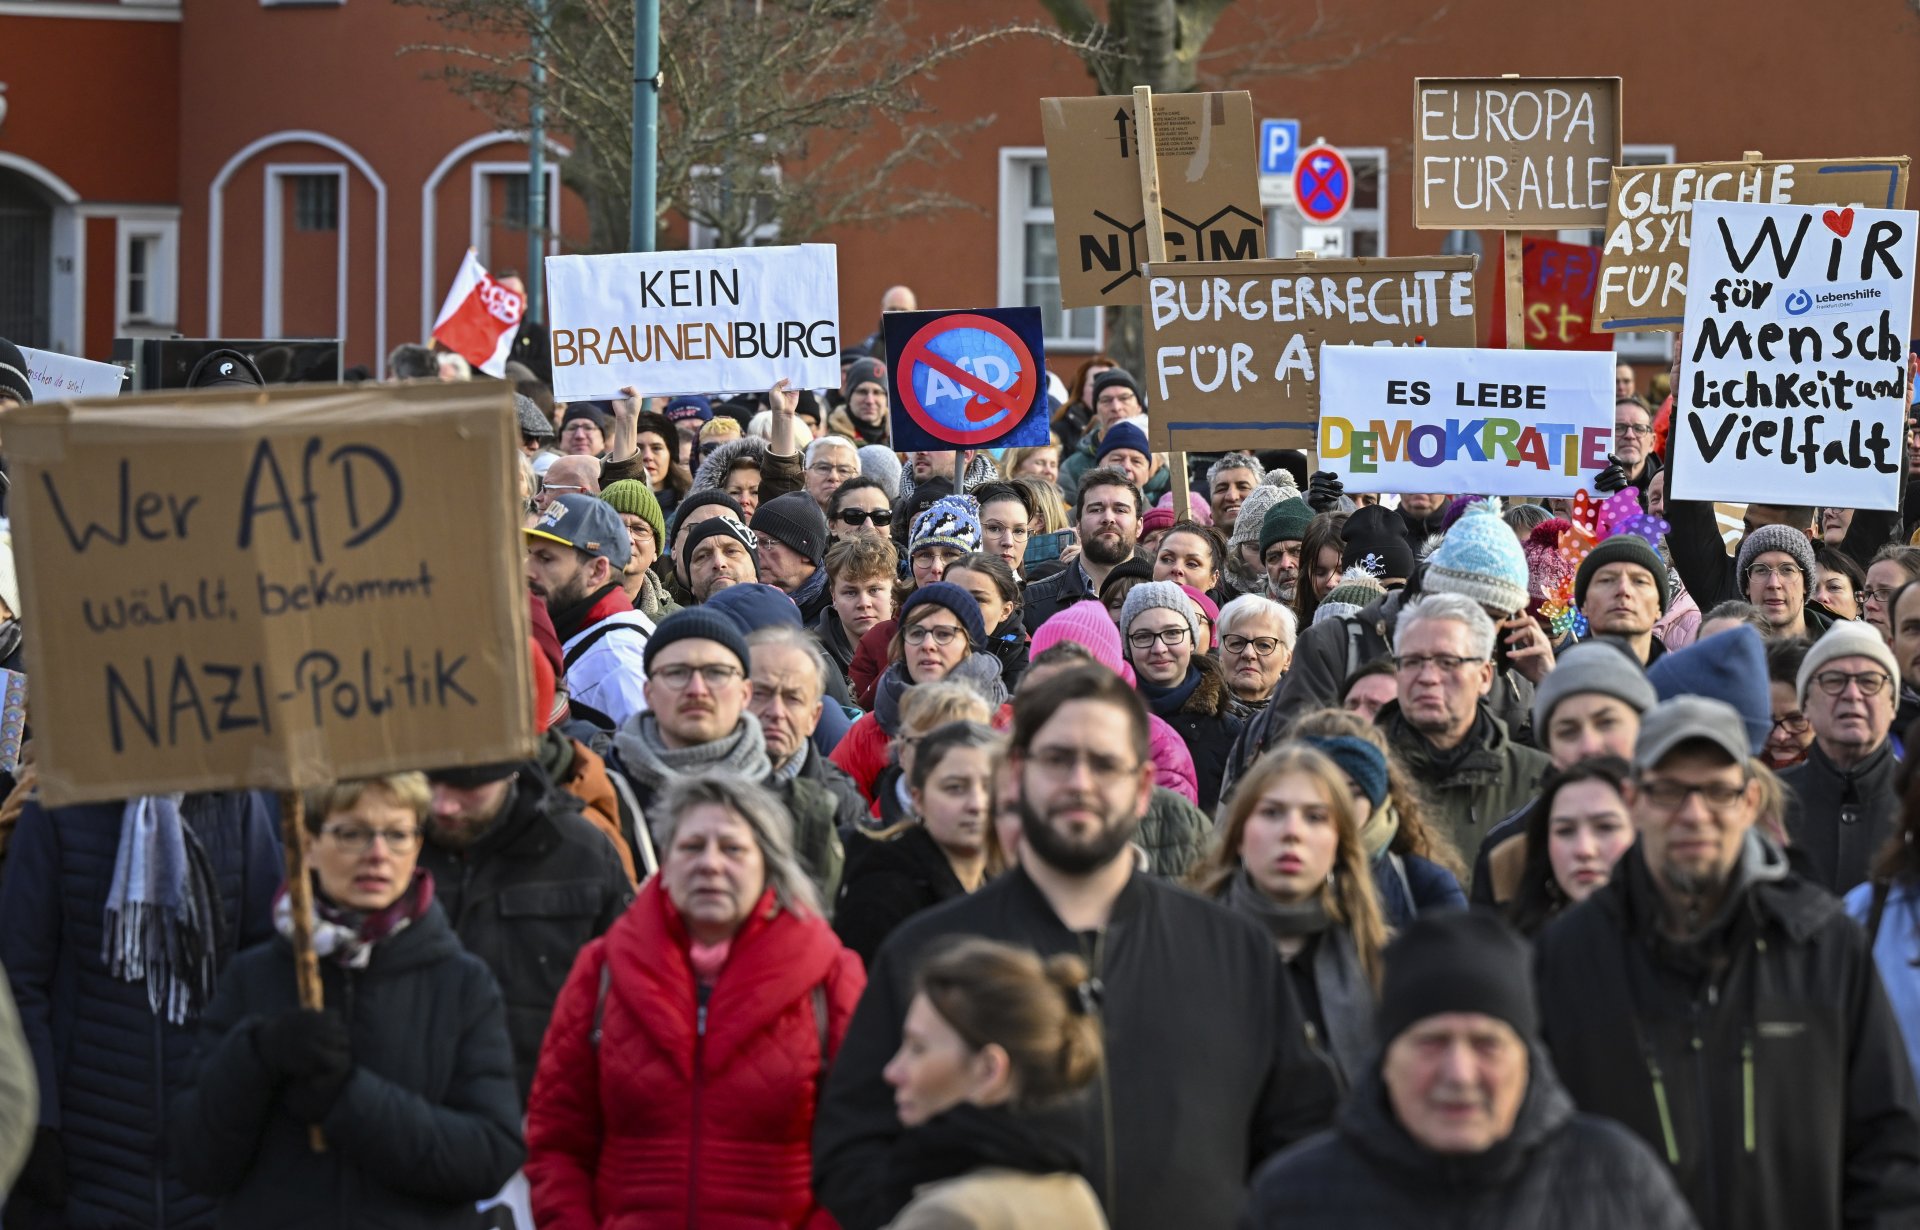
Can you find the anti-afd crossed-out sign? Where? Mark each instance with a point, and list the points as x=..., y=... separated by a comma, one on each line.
x=967, y=379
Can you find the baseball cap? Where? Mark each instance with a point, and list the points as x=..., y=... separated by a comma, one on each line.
x=1687, y=719
x=585, y=523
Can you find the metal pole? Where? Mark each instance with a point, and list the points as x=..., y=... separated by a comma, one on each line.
x=537, y=167
x=646, y=121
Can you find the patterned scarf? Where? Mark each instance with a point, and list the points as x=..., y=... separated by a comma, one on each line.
x=347, y=937
x=163, y=920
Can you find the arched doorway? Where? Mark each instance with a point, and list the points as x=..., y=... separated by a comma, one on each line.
x=26, y=260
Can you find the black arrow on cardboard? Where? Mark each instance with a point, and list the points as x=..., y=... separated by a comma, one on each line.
x=1123, y=117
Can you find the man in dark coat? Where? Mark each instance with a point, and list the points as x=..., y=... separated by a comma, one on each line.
x=1207, y=1070
x=106, y=1060
x=1726, y=1010
x=1463, y=1122
x=525, y=881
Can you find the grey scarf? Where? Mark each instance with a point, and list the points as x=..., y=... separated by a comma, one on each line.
x=162, y=923
x=1346, y=1001
x=1282, y=921
x=647, y=758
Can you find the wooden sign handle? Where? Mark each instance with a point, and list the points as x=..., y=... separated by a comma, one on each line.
x=1145, y=145
x=306, y=965
x=1515, y=292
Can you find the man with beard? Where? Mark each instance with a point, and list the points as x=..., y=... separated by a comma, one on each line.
x=1209, y=1073
x=526, y=882
x=1281, y=532
x=576, y=554
x=1107, y=518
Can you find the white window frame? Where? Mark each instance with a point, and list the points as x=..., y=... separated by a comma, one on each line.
x=160, y=228
x=1284, y=222
x=479, y=234
x=271, y=289
x=1015, y=215
x=1642, y=347
x=700, y=236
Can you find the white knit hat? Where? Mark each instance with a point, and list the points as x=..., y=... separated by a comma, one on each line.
x=1850, y=638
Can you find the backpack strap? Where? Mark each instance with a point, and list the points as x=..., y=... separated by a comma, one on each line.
x=1399, y=866
x=1353, y=646
x=820, y=1024
x=600, y=1004
x=634, y=822
x=1881, y=891
x=599, y=632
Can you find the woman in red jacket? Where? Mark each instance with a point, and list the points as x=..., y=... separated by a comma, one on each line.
x=679, y=1076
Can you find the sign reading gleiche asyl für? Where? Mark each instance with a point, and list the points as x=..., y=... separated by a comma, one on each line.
x=271, y=591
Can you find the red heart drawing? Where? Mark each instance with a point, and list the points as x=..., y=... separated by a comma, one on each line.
x=1839, y=221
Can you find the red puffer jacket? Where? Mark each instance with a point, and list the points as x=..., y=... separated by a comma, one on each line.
x=661, y=1124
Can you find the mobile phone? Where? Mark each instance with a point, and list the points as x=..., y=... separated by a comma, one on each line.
x=1043, y=547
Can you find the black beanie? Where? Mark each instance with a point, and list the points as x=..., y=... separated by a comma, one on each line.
x=720, y=525
x=701, y=499
x=1621, y=549
x=13, y=373
x=474, y=776
x=693, y=623
x=795, y=520
x=1116, y=376
x=1456, y=961
x=1376, y=540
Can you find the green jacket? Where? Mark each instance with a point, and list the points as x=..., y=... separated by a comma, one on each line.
x=1475, y=792
x=816, y=839
x=1174, y=834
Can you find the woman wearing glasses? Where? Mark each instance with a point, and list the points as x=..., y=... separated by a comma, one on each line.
x=1185, y=688
x=940, y=635
x=1256, y=647
x=407, y=1071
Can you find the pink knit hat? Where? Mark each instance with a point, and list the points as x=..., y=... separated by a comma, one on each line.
x=1202, y=511
x=1206, y=604
x=1088, y=624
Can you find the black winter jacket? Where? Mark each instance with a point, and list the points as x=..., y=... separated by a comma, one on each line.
x=1557, y=1170
x=1206, y=722
x=1206, y=1071
x=1841, y=818
x=851, y=813
x=1047, y=598
x=888, y=882
x=1760, y=1058
x=525, y=898
x=427, y=1124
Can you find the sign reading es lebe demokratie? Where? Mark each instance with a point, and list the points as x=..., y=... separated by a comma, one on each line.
x=1233, y=346
x=724, y=320
x=967, y=379
x=1793, y=382
x=1510, y=153
x=231, y=594
x=1500, y=422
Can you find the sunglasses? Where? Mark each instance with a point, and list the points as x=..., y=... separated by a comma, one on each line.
x=858, y=516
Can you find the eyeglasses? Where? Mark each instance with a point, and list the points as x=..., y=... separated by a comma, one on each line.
x=1833, y=683
x=357, y=840
x=1166, y=636
x=552, y=488
x=1882, y=594
x=1448, y=663
x=1058, y=762
x=859, y=516
x=1767, y=572
x=1792, y=723
x=1672, y=796
x=831, y=471
x=718, y=675
x=1632, y=429
x=942, y=635
x=1262, y=646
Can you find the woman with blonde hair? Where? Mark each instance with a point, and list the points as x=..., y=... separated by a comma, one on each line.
x=995, y=1041
x=1289, y=856
x=1041, y=461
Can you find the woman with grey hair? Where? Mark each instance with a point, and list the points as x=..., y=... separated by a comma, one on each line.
x=708, y=1015
x=1256, y=647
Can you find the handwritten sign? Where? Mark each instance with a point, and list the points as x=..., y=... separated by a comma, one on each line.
x=1512, y=153
x=270, y=590
x=1643, y=269
x=1793, y=384
x=1557, y=281
x=61, y=377
x=1497, y=422
x=1209, y=188
x=1232, y=347
x=723, y=320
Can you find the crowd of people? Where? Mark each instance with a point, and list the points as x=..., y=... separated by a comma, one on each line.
x=980, y=840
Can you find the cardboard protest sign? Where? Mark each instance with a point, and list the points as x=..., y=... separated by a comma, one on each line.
x=62, y=377
x=271, y=590
x=720, y=320
x=1513, y=153
x=1556, y=281
x=1643, y=269
x=1498, y=422
x=1233, y=347
x=1209, y=188
x=1793, y=384
x=967, y=379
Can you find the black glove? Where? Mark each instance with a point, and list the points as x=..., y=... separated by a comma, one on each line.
x=1324, y=491
x=1611, y=479
x=44, y=1177
x=301, y=1043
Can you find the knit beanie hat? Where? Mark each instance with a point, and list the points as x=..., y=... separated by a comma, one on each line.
x=882, y=465
x=1456, y=961
x=1849, y=638
x=1208, y=607
x=951, y=521
x=1480, y=559
x=953, y=598
x=635, y=499
x=589, y=410
x=700, y=499
x=1356, y=589
x=1776, y=538
x=1116, y=376
x=1085, y=623
x=13, y=375
x=533, y=423
x=864, y=371
x=794, y=520
x=659, y=425
x=720, y=525
x=1547, y=569
x=1123, y=434
x=1125, y=570
x=1253, y=512
x=1728, y=666
x=1286, y=521
x=696, y=623
x=1164, y=594
x=1198, y=508
x=1599, y=666
x=1376, y=540
x=752, y=606
x=1156, y=520
x=1358, y=759
x=1626, y=549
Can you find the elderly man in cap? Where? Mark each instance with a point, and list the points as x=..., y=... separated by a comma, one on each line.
x=583, y=430
x=793, y=550
x=1843, y=801
x=1727, y=1010
x=536, y=429
x=577, y=553
x=1463, y=1121
x=1281, y=532
x=719, y=552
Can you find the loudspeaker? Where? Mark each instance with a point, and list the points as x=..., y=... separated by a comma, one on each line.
x=164, y=362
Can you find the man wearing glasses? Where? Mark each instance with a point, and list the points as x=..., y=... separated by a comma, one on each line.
x=1844, y=803
x=1725, y=1009
x=1776, y=574
x=830, y=461
x=1634, y=461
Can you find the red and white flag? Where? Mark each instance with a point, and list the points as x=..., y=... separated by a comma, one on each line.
x=479, y=318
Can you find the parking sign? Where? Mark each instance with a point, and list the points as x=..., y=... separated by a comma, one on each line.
x=1279, y=142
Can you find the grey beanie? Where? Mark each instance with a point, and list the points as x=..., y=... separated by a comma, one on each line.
x=882, y=465
x=1162, y=594
x=1776, y=538
x=1602, y=666
x=1253, y=512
